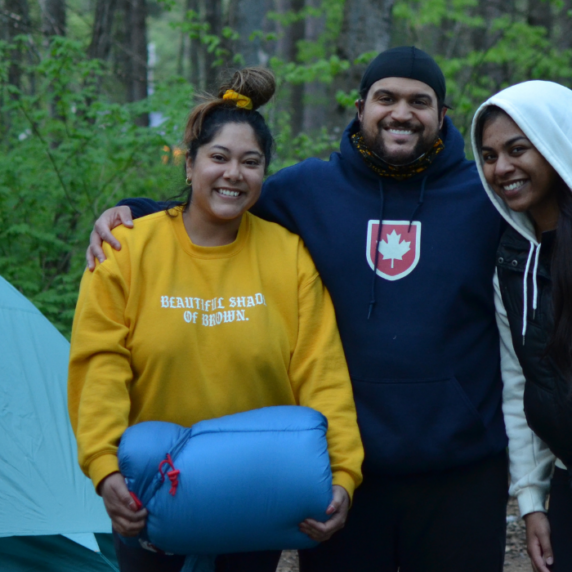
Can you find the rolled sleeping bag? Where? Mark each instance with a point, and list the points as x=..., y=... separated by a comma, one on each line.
x=237, y=483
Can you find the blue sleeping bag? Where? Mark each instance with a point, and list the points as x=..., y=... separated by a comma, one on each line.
x=238, y=483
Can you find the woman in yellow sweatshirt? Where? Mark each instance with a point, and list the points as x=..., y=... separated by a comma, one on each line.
x=206, y=311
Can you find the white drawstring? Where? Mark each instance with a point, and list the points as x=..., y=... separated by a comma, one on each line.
x=534, y=282
x=525, y=287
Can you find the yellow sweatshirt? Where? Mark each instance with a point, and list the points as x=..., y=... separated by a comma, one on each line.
x=166, y=330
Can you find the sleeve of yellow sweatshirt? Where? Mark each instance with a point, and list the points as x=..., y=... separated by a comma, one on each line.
x=99, y=370
x=319, y=375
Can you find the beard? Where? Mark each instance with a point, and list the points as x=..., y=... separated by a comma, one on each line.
x=399, y=157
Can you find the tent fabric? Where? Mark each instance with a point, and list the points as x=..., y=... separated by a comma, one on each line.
x=43, y=493
x=55, y=554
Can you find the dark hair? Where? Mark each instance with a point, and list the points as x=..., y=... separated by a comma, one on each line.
x=489, y=114
x=560, y=344
x=209, y=117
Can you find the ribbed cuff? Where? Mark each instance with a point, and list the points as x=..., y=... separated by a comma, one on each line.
x=344, y=480
x=101, y=467
x=531, y=499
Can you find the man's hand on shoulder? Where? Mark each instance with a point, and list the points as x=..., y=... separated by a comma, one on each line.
x=110, y=219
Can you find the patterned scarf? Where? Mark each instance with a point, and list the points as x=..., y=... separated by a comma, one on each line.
x=400, y=172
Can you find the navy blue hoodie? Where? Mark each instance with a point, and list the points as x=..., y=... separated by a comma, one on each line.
x=425, y=364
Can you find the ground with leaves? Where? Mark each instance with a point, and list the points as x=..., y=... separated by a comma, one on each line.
x=516, y=557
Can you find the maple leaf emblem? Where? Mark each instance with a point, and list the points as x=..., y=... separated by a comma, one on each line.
x=394, y=248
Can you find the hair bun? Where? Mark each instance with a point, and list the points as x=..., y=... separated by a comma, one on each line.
x=256, y=83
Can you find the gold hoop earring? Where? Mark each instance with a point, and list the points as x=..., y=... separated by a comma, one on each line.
x=189, y=182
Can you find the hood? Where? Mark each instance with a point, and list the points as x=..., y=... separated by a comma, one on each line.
x=543, y=111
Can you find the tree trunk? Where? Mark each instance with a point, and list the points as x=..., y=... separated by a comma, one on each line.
x=132, y=57
x=483, y=40
x=540, y=14
x=366, y=27
x=182, y=45
x=317, y=101
x=297, y=33
x=53, y=17
x=213, y=17
x=245, y=17
x=101, y=35
x=195, y=51
x=139, y=51
x=564, y=39
x=16, y=16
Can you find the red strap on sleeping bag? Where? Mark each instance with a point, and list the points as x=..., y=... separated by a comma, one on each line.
x=138, y=503
x=173, y=474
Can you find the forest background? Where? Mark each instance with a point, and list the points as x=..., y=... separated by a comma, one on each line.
x=94, y=95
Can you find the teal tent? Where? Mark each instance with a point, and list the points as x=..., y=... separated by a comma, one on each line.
x=50, y=517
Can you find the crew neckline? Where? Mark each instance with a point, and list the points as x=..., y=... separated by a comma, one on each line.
x=198, y=251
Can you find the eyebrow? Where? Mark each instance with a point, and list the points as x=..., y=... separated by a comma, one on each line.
x=507, y=143
x=251, y=152
x=409, y=95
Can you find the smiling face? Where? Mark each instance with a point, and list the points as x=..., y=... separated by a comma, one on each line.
x=400, y=119
x=226, y=175
x=518, y=173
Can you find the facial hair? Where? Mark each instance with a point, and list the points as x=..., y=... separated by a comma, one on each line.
x=424, y=144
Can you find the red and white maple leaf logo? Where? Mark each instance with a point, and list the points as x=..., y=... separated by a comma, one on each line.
x=394, y=248
x=399, y=256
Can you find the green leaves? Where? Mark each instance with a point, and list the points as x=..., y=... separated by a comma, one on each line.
x=69, y=150
x=482, y=49
x=66, y=155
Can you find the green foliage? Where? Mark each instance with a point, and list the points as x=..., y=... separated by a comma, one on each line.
x=67, y=155
x=480, y=56
x=291, y=150
x=217, y=45
x=68, y=152
x=323, y=70
x=347, y=100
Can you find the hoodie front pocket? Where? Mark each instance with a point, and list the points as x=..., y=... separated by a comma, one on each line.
x=417, y=425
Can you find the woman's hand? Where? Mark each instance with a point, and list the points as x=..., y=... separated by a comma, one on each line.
x=538, y=543
x=102, y=232
x=338, y=509
x=120, y=506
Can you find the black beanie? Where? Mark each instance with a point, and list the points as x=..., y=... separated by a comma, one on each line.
x=408, y=62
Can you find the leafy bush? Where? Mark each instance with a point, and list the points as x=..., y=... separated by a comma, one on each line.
x=66, y=155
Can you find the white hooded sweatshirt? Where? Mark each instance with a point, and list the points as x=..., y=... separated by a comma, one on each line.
x=543, y=111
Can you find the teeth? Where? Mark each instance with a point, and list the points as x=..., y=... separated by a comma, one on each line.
x=513, y=186
x=401, y=131
x=228, y=193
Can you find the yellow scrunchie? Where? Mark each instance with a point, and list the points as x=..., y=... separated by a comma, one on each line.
x=241, y=100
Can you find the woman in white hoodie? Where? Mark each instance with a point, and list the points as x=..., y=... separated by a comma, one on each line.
x=522, y=140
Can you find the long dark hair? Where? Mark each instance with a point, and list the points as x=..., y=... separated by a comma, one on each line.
x=560, y=344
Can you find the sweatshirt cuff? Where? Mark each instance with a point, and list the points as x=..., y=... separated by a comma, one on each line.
x=101, y=467
x=343, y=479
x=531, y=499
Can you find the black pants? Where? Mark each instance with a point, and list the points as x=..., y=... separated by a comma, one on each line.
x=450, y=521
x=140, y=560
x=560, y=517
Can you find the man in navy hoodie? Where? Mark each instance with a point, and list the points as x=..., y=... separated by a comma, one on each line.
x=414, y=303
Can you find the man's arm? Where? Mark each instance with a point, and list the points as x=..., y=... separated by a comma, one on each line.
x=142, y=207
x=123, y=214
